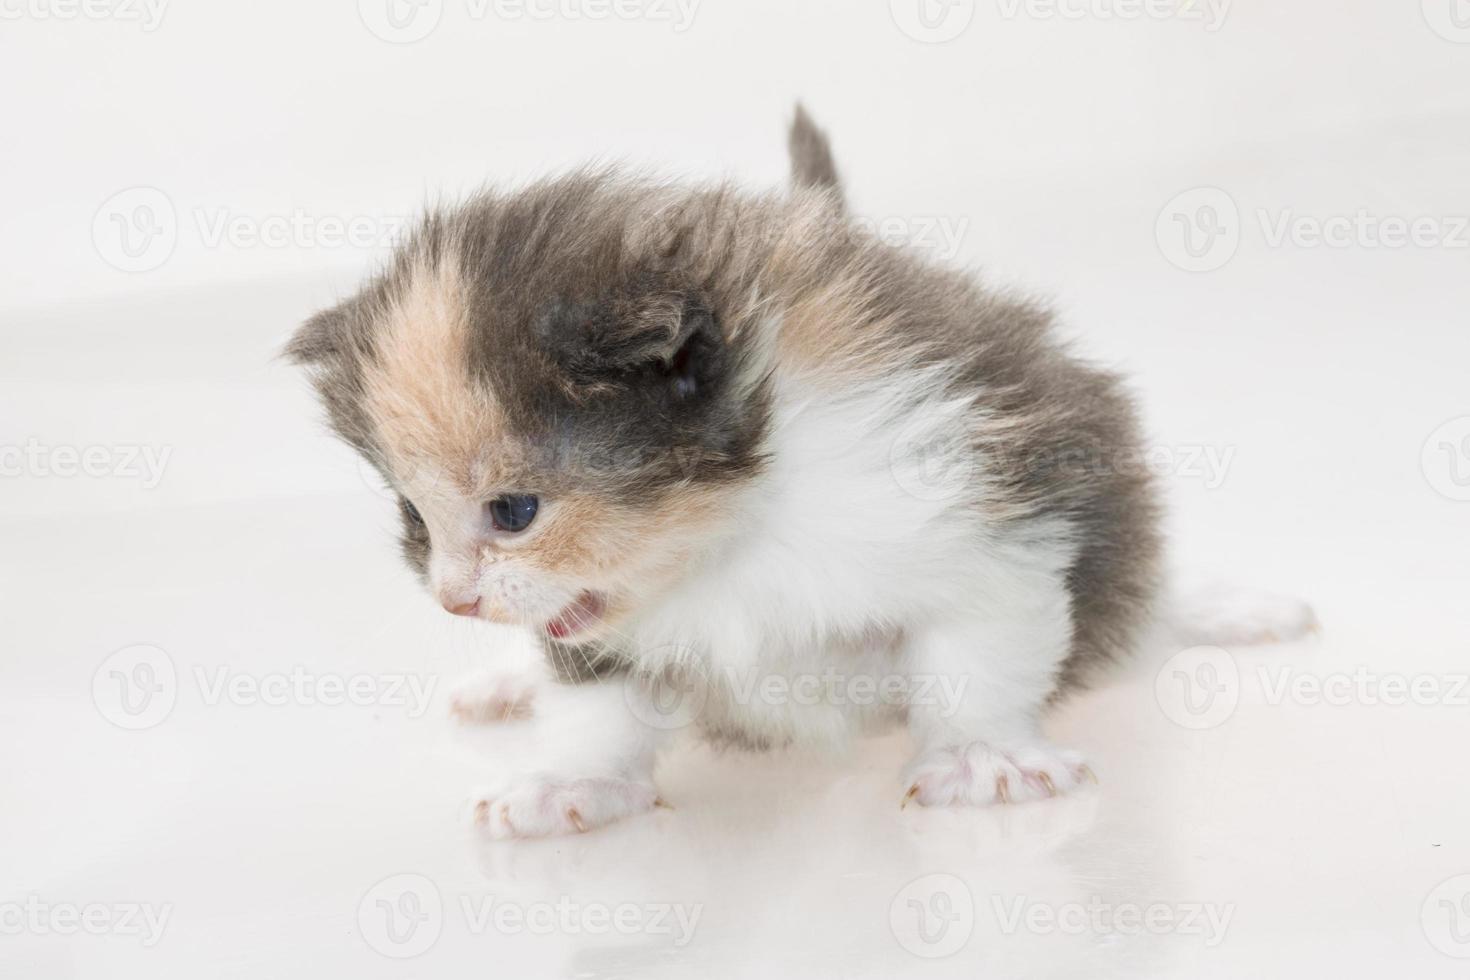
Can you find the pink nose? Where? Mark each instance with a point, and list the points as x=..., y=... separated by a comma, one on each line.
x=461, y=608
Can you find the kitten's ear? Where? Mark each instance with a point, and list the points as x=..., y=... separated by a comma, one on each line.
x=671, y=340
x=318, y=339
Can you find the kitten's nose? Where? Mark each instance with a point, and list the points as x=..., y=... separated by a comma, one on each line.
x=461, y=608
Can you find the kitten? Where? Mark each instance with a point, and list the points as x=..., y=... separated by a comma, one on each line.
x=705, y=441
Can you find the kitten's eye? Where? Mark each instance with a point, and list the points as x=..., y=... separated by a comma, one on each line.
x=411, y=511
x=513, y=512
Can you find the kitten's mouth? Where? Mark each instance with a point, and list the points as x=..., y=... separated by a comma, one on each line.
x=580, y=615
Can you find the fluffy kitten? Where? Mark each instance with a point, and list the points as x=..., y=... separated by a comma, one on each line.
x=700, y=440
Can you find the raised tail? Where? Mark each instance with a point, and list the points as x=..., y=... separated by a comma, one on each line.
x=811, y=156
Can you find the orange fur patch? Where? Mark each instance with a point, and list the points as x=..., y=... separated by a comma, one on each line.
x=424, y=405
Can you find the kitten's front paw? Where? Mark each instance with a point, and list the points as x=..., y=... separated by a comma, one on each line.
x=977, y=774
x=491, y=696
x=543, y=806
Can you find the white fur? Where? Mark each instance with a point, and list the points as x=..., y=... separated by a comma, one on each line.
x=1223, y=615
x=839, y=571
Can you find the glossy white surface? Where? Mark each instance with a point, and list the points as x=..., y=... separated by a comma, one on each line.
x=1293, y=837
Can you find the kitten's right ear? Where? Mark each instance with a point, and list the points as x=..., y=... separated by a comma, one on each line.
x=318, y=339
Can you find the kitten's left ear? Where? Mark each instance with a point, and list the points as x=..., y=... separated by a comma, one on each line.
x=671, y=339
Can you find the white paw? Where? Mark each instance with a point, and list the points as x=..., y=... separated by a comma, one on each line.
x=542, y=806
x=1230, y=617
x=492, y=696
x=977, y=774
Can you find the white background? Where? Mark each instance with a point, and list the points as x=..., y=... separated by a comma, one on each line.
x=1334, y=379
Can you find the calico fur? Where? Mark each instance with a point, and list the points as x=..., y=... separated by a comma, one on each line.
x=773, y=445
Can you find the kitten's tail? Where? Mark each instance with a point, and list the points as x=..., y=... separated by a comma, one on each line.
x=811, y=156
x=1232, y=616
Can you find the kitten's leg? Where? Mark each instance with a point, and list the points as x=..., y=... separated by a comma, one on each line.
x=594, y=765
x=988, y=675
x=490, y=696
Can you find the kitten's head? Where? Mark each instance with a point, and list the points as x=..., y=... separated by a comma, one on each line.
x=560, y=391
x=566, y=387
